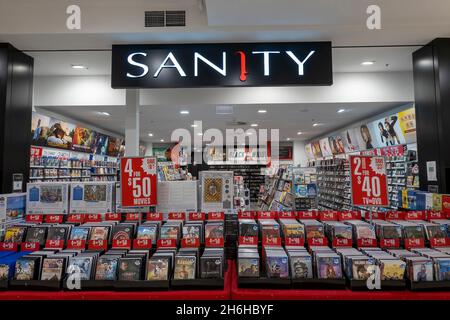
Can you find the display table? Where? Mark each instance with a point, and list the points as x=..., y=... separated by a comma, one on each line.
x=307, y=294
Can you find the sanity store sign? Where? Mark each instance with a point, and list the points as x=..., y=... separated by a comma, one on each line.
x=369, y=181
x=138, y=179
x=222, y=65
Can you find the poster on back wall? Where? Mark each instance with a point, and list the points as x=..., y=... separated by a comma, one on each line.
x=309, y=151
x=116, y=147
x=60, y=134
x=407, y=120
x=316, y=149
x=387, y=131
x=365, y=137
x=100, y=144
x=39, y=129
x=336, y=144
x=83, y=139
x=325, y=147
x=350, y=140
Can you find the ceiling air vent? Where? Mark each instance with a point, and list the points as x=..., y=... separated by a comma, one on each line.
x=165, y=19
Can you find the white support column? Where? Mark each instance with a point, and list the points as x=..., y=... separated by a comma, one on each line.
x=132, y=123
x=299, y=152
x=149, y=149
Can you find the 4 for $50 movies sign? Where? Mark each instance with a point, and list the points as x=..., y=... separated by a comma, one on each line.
x=138, y=178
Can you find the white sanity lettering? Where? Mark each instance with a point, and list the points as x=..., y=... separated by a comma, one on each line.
x=222, y=71
x=298, y=62
x=266, y=60
x=137, y=64
x=175, y=64
x=73, y=21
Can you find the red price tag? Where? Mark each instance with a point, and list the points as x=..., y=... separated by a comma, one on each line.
x=414, y=243
x=29, y=246
x=246, y=215
x=54, y=244
x=214, y=242
x=75, y=218
x=142, y=244
x=36, y=218
x=176, y=216
x=377, y=215
x=435, y=215
x=36, y=152
x=342, y=242
x=328, y=215
x=364, y=242
x=369, y=181
x=94, y=218
x=271, y=241
x=294, y=242
x=8, y=246
x=286, y=215
x=349, y=215
x=215, y=216
x=307, y=214
x=267, y=215
x=439, y=242
x=321, y=242
x=395, y=215
x=154, y=216
x=121, y=244
x=253, y=241
x=190, y=242
x=133, y=217
x=138, y=179
x=389, y=243
x=196, y=216
x=97, y=245
x=113, y=217
x=414, y=215
x=76, y=244
x=166, y=243
x=54, y=218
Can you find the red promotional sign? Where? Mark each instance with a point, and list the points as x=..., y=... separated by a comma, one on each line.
x=307, y=214
x=389, y=243
x=190, y=242
x=214, y=242
x=75, y=218
x=294, y=242
x=267, y=215
x=328, y=215
x=252, y=241
x=154, y=216
x=349, y=215
x=54, y=218
x=196, y=216
x=97, y=245
x=138, y=181
x=414, y=243
x=166, y=243
x=286, y=215
x=393, y=151
x=395, y=215
x=439, y=242
x=113, y=217
x=94, y=218
x=216, y=216
x=8, y=246
x=246, y=215
x=121, y=244
x=369, y=181
x=177, y=216
x=342, y=242
x=318, y=241
x=36, y=152
x=435, y=215
x=76, y=244
x=36, y=218
x=365, y=242
x=271, y=241
x=142, y=244
x=133, y=217
x=54, y=244
x=415, y=215
x=29, y=246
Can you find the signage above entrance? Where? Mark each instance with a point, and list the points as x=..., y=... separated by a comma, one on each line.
x=222, y=65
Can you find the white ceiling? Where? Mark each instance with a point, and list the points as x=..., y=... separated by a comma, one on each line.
x=288, y=118
x=344, y=60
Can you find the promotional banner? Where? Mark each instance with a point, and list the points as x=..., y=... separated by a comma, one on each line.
x=138, y=178
x=407, y=120
x=369, y=181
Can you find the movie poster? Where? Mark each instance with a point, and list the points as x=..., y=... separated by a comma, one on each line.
x=116, y=147
x=60, y=134
x=317, y=152
x=387, y=131
x=100, y=144
x=336, y=144
x=407, y=121
x=309, y=151
x=325, y=147
x=83, y=139
x=350, y=140
x=39, y=129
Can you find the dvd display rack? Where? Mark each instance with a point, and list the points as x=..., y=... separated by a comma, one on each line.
x=333, y=181
x=304, y=186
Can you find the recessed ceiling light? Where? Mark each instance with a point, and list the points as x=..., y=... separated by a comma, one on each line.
x=299, y=133
x=262, y=111
x=199, y=134
x=288, y=139
x=316, y=124
x=184, y=112
x=78, y=66
x=194, y=126
x=162, y=140
x=254, y=125
x=341, y=110
x=104, y=113
x=368, y=63
x=249, y=133
x=150, y=134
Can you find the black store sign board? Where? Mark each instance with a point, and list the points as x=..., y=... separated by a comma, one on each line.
x=222, y=65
